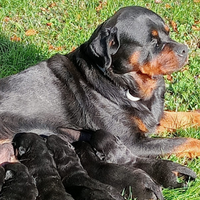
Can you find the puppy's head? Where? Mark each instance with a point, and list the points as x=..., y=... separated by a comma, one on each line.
x=58, y=147
x=15, y=169
x=24, y=143
x=136, y=39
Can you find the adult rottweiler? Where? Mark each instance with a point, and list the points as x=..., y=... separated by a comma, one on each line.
x=18, y=183
x=31, y=150
x=74, y=177
x=113, y=82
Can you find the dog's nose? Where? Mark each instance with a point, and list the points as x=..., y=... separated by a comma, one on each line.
x=182, y=50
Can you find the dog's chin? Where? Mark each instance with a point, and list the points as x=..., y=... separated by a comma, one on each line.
x=182, y=63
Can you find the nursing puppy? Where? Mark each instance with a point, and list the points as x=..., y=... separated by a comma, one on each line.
x=31, y=150
x=75, y=178
x=18, y=183
x=110, y=149
x=119, y=176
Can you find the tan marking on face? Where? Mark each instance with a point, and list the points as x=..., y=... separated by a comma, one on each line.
x=154, y=33
x=134, y=60
x=167, y=28
x=164, y=63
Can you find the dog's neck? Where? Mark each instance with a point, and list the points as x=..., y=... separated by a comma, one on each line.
x=141, y=88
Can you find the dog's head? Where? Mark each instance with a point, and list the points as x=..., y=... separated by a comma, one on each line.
x=25, y=143
x=136, y=42
x=137, y=39
x=15, y=169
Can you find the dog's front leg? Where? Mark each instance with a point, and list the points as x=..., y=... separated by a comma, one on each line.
x=172, y=121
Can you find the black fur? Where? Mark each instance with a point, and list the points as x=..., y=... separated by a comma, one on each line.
x=86, y=89
x=18, y=183
x=75, y=178
x=31, y=150
x=113, y=82
x=119, y=176
x=111, y=150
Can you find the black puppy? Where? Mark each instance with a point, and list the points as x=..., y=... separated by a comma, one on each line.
x=31, y=150
x=75, y=178
x=110, y=149
x=19, y=184
x=119, y=176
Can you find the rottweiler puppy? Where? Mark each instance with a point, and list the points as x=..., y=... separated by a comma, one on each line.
x=31, y=150
x=75, y=178
x=110, y=149
x=119, y=176
x=18, y=183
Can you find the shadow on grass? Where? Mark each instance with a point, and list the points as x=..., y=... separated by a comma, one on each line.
x=16, y=56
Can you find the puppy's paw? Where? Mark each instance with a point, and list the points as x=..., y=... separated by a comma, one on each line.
x=143, y=187
x=171, y=174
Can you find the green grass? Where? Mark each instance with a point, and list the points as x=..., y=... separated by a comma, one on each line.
x=62, y=26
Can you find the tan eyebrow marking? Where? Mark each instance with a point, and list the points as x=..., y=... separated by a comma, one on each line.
x=167, y=28
x=154, y=33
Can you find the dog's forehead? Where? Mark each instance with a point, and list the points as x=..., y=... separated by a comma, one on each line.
x=133, y=20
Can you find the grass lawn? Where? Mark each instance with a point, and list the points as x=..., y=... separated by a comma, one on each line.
x=31, y=31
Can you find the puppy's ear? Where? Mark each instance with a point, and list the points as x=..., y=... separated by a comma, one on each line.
x=104, y=43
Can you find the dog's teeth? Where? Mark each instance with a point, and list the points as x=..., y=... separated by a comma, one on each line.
x=131, y=97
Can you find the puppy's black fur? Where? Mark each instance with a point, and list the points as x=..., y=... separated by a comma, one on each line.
x=31, y=150
x=119, y=176
x=19, y=184
x=110, y=149
x=75, y=178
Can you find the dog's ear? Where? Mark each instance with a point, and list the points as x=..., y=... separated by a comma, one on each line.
x=104, y=44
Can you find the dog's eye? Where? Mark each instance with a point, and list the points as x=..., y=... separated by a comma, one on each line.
x=156, y=42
